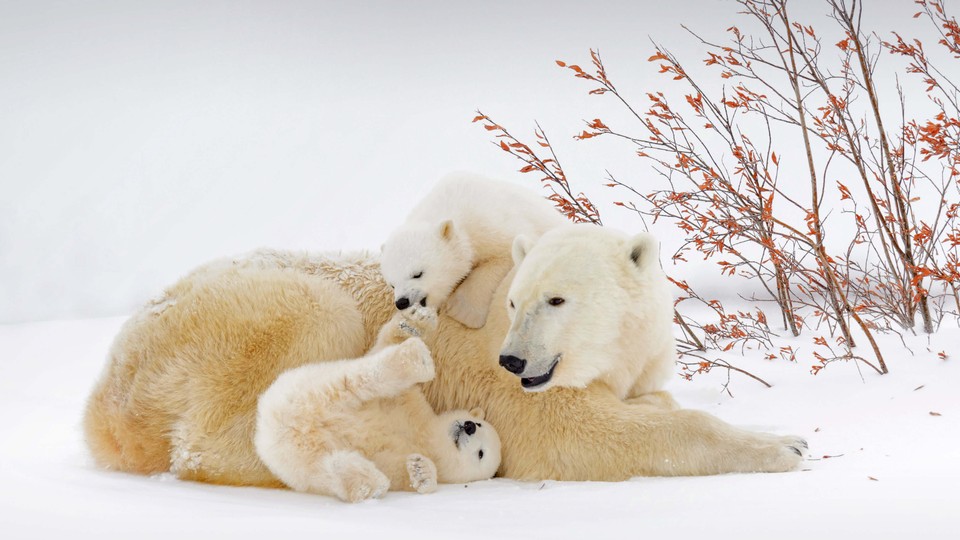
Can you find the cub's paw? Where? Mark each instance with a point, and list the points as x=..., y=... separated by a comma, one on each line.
x=362, y=482
x=410, y=361
x=423, y=473
x=418, y=320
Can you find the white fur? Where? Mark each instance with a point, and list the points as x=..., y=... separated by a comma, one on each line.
x=615, y=322
x=356, y=428
x=464, y=224
x=465, y=464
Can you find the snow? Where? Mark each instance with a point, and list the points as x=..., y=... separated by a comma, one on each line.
x=874, y=427
x=142, y=139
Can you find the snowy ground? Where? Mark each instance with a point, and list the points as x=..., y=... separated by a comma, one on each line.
x=878, y=428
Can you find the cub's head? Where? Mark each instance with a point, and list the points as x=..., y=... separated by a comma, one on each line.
x=424, y=262
x=574, y=292
x=467, y=447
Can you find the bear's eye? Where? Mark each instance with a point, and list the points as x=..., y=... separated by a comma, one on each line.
x=556, y=301
x=418, y=275
x=511, y=304
x=480, y=454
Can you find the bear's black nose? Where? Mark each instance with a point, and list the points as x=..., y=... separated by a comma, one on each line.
x=512, y=364
x=469, y=427
x=403, y=303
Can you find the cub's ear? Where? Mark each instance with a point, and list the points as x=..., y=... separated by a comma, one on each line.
x=643, y=250
x=477, y=413
x=446, y=229
x=521, y=246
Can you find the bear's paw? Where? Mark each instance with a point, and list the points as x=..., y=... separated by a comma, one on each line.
x=418, y=320
x=361, y=481
x=410, y=361
x=789, y=453
x=423, y=473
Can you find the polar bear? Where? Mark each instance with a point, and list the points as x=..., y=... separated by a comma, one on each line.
x=181, y=384
x=453, y=249
x=355, y=428
x=590, y=304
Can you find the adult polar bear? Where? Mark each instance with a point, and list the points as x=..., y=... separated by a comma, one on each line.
x=181, y=386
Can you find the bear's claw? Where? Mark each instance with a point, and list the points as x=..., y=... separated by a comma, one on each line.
x=797, y=447
x=423, y=473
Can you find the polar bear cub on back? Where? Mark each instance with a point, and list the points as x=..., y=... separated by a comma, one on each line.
x=450, y=251
x=356, y=428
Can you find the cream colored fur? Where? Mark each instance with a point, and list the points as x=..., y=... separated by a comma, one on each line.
x=614, y=325
x=184, y=375
x=454, y=248
x=356, y=428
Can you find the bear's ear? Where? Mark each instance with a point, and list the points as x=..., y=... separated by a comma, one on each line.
x=521, y=246
x=643, y=250
x=446, y=229
x=477, y=413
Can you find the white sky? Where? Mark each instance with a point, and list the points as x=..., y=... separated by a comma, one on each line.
x=140, y=139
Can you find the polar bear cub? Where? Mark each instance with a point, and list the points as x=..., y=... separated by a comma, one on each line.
x=591, y=305
x=450, y=251
x=356, y=428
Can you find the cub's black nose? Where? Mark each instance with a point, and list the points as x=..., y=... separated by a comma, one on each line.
x=469, y=427
x=403, y=303
x=512, y=364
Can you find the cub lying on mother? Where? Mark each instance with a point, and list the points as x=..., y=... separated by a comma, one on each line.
x=181, y=387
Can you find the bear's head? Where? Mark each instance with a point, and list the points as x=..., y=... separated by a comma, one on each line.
x=466, y=447
x=582, y=299
x=424, y=262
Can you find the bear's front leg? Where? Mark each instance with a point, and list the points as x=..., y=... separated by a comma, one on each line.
x=413, y=322
x=418, y=321
x=408, y=472
x=423, y=473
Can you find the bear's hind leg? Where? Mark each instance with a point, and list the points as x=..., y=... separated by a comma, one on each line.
x=385, y=373
x=348, y=476
x=406, y=365
x=660, y=399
